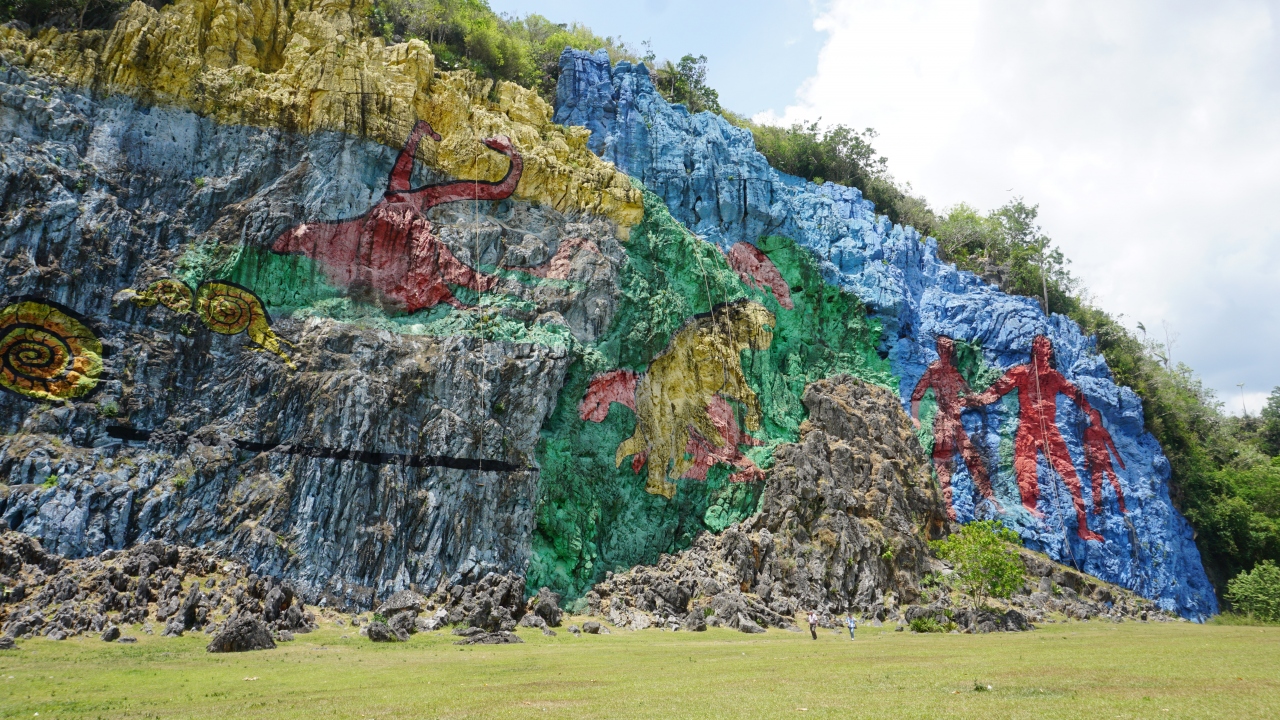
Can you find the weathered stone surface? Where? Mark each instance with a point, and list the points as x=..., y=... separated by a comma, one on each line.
x=242, y=634
x=842, y=526
x=379, y=631
x=401, y=601
x=402, y=624
x=111, y=634
x=495, y=603
x=546, y=605
x=713, y=180
x=152, y=580
x=493, y=638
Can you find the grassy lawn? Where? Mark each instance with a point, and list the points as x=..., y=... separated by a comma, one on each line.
x=1088, y=670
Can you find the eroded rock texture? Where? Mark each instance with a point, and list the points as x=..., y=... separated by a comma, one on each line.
x=374, y=451
x=710, y=176
x=842, y=526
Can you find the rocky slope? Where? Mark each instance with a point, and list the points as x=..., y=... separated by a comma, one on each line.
x=842, y=526
x=1100, y=458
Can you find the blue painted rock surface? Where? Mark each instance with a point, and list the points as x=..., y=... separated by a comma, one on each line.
x=713, y=180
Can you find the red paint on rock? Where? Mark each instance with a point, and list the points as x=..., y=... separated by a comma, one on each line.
x=615, y=386
x=756, y=269
x=1098, y=449
x=391, y=248
x=1038, y=385
x=949, y=386
x=705, y=454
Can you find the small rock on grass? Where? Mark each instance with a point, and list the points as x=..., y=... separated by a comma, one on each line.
x=242, y=634
x=111, y=634
x=501, y=637
x=381, y=632
x=7, y=643
x=128, y=640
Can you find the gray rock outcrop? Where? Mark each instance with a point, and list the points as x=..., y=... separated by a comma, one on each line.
x=242, y=634
x=842, y=526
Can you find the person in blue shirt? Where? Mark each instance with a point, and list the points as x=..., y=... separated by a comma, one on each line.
x=851, y=624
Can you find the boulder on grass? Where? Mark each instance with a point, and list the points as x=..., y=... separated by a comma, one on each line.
x=501, y=637
x=400, y=602
x=403, y=624
x=381, y=632
x=546, y=605
x=111, y=634
x=242, y=634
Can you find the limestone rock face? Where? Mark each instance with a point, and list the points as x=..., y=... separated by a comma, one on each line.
x=369, y=451
x=314, y=67
x=842, y=526
x=712, y=180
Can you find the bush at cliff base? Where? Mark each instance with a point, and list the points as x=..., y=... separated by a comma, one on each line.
x=1257, y=593
x=985, y=564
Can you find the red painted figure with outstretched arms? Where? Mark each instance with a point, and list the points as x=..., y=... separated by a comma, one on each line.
x=1098, y=449
x=1038, y=385
x=948, y=432
x=391, y=249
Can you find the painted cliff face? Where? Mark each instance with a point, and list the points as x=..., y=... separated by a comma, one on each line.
x=1037, y=385
x=392, y=249
x=1021, y=457
x=684, y=422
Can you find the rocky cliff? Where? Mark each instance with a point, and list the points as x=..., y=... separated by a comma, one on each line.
x=841, y=527
x=280, y=290
x=355, y=407
x=1053, y=447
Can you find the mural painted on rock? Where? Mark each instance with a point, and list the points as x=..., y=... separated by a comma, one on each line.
x=47, y=351
x=1022, y=451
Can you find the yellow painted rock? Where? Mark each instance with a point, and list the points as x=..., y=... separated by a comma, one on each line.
x=704, y=359
x=310, y=66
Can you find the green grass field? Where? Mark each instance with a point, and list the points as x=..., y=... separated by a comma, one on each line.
x=1087, y=670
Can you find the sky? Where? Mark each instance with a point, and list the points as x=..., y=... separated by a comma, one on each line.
x=1147, y=133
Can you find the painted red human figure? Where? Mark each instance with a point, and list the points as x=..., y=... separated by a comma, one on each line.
x=391, y=249
x=1038, y=385
x=1098, y=449
x=949, y=386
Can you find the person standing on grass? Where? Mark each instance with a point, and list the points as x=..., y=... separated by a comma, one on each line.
x=851, y=624
x=813, y=624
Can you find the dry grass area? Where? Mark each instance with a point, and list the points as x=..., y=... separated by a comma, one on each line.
x=1087, y=670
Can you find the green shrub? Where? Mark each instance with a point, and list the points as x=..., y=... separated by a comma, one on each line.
x=1257, y=592
x=379, y=617
x=926, y=624
x=984, y=562
x=109, y=409
x=49, y=482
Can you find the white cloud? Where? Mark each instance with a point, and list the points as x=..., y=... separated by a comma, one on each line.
x=1146, y=131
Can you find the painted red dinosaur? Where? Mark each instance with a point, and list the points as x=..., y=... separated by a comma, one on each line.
x=391, y=249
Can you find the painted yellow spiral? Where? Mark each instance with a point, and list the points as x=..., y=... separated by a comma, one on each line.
x=229, y=309
x=45, y=353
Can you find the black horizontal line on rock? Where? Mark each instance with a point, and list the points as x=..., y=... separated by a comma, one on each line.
x=364, y=456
